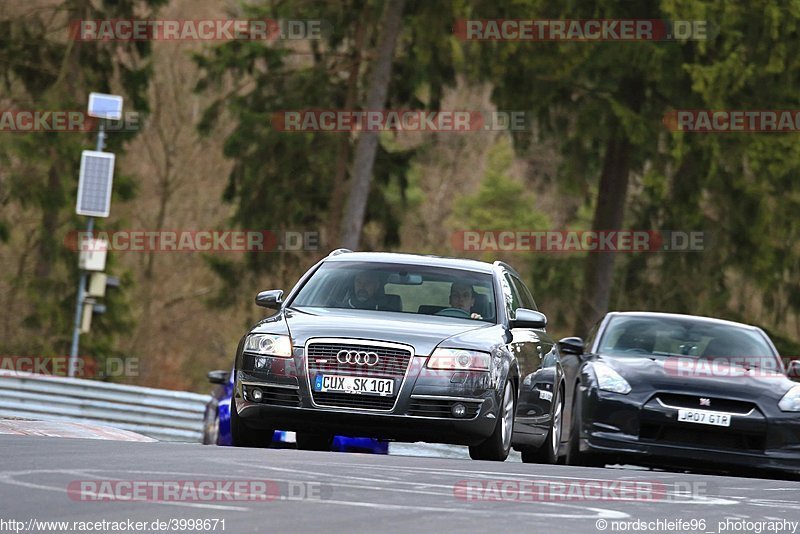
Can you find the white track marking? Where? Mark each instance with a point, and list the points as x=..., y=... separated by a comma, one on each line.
x=601, y=513
x=8, y=478
x=696, y=500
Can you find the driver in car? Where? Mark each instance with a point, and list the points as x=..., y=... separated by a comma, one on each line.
x=463, y=298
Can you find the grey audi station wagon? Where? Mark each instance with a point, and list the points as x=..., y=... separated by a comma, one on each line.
x=402, y=347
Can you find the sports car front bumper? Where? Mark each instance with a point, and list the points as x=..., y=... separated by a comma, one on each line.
x=647, y=431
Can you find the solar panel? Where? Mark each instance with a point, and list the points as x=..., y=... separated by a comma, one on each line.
x=94, y=184
x=105, y=106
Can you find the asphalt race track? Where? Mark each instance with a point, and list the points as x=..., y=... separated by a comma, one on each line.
x=355, y=493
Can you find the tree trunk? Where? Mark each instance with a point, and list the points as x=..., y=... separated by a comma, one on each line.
x=343, y=150
x=608, y=216
x=50, y=209
x=353, y=220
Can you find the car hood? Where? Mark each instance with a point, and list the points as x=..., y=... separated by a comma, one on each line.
x=423, y=332
x=663, y=374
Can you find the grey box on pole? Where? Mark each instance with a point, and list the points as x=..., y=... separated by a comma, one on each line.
x=105, y=106
x=94, y=185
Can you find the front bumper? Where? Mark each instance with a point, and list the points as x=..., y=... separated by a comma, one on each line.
x=632, y=451
x=420, y=411
x=359, y=424
x=645, y=431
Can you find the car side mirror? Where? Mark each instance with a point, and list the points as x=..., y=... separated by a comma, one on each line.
x=219, y=376
x=571, y=345
x=526, y=318
x=793, y=371
x=271, y=299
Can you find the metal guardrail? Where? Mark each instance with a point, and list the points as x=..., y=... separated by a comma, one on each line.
x=158, y=413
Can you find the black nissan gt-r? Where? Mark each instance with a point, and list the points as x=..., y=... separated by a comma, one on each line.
x=667, y=389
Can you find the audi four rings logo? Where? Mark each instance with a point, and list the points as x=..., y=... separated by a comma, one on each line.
x=357, y=357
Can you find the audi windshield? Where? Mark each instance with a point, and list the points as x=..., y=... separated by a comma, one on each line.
x=421, y=290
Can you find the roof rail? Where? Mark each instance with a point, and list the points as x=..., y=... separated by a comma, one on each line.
x=339, y=251
x=505, y=266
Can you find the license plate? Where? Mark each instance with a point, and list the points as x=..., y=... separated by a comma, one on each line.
x=354, y=384
x=704, y=417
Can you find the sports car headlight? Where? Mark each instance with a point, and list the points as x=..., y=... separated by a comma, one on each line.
x=269, y=345
x=459, y=360
x=610, y=380
x=791, y=401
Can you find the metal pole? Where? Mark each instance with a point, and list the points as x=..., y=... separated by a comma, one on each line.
x=76, y=330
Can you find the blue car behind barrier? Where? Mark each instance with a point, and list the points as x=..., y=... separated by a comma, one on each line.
x=217, y=426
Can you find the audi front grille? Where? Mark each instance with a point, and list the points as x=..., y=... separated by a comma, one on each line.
x=357, y=358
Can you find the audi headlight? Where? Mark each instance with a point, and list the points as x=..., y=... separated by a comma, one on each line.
x=269, y=345
x=610, y=380
x=459, y=360
x=791, y=401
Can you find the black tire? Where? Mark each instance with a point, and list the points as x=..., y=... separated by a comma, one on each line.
x=498, y=445
x=245, y=436
x=308, y=441
x=211, y=425
x=574, y=454
x=547, y=453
